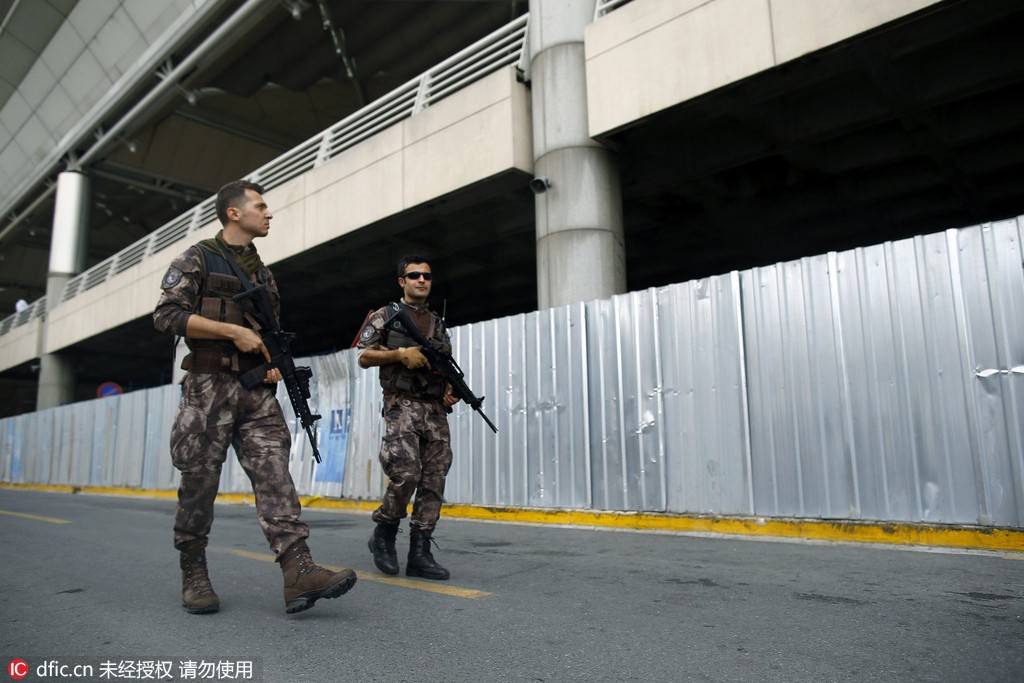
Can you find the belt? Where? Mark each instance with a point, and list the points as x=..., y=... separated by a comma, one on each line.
x=213, y=360
x=419, y=399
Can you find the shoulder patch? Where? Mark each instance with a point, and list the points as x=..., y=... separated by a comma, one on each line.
x=172, y=278
x=367, y=333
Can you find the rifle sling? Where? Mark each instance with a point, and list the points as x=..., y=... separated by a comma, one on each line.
x=248, y=287
x=229, y=256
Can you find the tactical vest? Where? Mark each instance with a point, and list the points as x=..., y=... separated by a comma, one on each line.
x=395, y=377
x=216, y=302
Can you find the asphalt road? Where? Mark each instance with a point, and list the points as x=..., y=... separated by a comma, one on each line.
x=93, y=581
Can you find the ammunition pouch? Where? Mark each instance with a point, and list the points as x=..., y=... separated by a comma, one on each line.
x=217, y=302
x=413, y=383
x=395, y=378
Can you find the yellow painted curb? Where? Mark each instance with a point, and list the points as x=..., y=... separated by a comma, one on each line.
x=93, y=490
x=986, y=538
x=947, y=536
x=340, y=504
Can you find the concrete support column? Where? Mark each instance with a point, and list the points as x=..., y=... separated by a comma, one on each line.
x=67, y=259
x=580, y=247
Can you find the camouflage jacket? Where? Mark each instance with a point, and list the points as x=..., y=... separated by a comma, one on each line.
x=394, y=377
x=182, y=288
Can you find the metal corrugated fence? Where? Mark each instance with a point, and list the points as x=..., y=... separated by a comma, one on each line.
x=883, y=383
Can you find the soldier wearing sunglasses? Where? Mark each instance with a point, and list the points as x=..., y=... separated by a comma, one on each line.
x=416, y=450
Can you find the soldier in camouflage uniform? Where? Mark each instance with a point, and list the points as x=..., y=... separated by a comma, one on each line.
x=216, y=410
x=416, y=450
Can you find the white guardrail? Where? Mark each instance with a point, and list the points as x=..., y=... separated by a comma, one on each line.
x=605, y=6
x=502, y=48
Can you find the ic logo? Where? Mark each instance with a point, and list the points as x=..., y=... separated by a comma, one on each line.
x=18, y=669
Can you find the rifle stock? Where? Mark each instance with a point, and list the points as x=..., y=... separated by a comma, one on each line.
x=442, y=363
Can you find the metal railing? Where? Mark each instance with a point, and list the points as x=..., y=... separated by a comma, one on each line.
x=36, y=309
x=605, y=6
x=501, y=48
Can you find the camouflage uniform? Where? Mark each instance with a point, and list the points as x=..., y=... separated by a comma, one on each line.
x=416, y=451
x=215, y=411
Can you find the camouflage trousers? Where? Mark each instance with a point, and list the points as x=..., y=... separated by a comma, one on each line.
x=416, y=454
x=215, y=411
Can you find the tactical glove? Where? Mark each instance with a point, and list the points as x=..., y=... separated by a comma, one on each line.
x=412, y=357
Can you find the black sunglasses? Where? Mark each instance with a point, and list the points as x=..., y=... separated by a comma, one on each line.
x=416, y=275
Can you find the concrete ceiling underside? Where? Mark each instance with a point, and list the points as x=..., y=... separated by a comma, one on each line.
x=279, y=83
x=908, y=130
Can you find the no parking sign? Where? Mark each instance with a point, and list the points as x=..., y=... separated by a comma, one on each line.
x=108, y=389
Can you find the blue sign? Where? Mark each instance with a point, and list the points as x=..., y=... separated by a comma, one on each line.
x=332, y=469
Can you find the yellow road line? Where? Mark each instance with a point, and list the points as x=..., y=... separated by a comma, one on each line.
x=444, y=589
x=38, y=518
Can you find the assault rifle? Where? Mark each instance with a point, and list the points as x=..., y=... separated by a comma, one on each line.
x=278, y=343
x=260, y=312
x=441, y=362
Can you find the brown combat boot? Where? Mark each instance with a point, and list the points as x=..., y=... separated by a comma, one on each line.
x=197, y=595
x=305, y=582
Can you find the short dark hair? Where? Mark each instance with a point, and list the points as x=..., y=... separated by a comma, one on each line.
x=230, y=193
x=404, y=262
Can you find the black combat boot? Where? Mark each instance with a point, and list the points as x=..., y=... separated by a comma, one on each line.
x=421, y=562
x=382, y=545
x=305, y=582
x=197, y=595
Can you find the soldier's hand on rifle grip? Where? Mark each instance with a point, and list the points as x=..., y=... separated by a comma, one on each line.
x=450, y=398
x=248, y=341
x=411, y=357
x=273, y=376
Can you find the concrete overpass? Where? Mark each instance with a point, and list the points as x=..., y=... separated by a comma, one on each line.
x=743, y=132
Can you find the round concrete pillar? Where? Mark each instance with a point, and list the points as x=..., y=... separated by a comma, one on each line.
x=580, y=247
x=67, y=259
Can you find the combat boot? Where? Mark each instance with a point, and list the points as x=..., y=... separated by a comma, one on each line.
x=382, y=545
x=305, y=582
x=421, y=561
x=197, y=595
